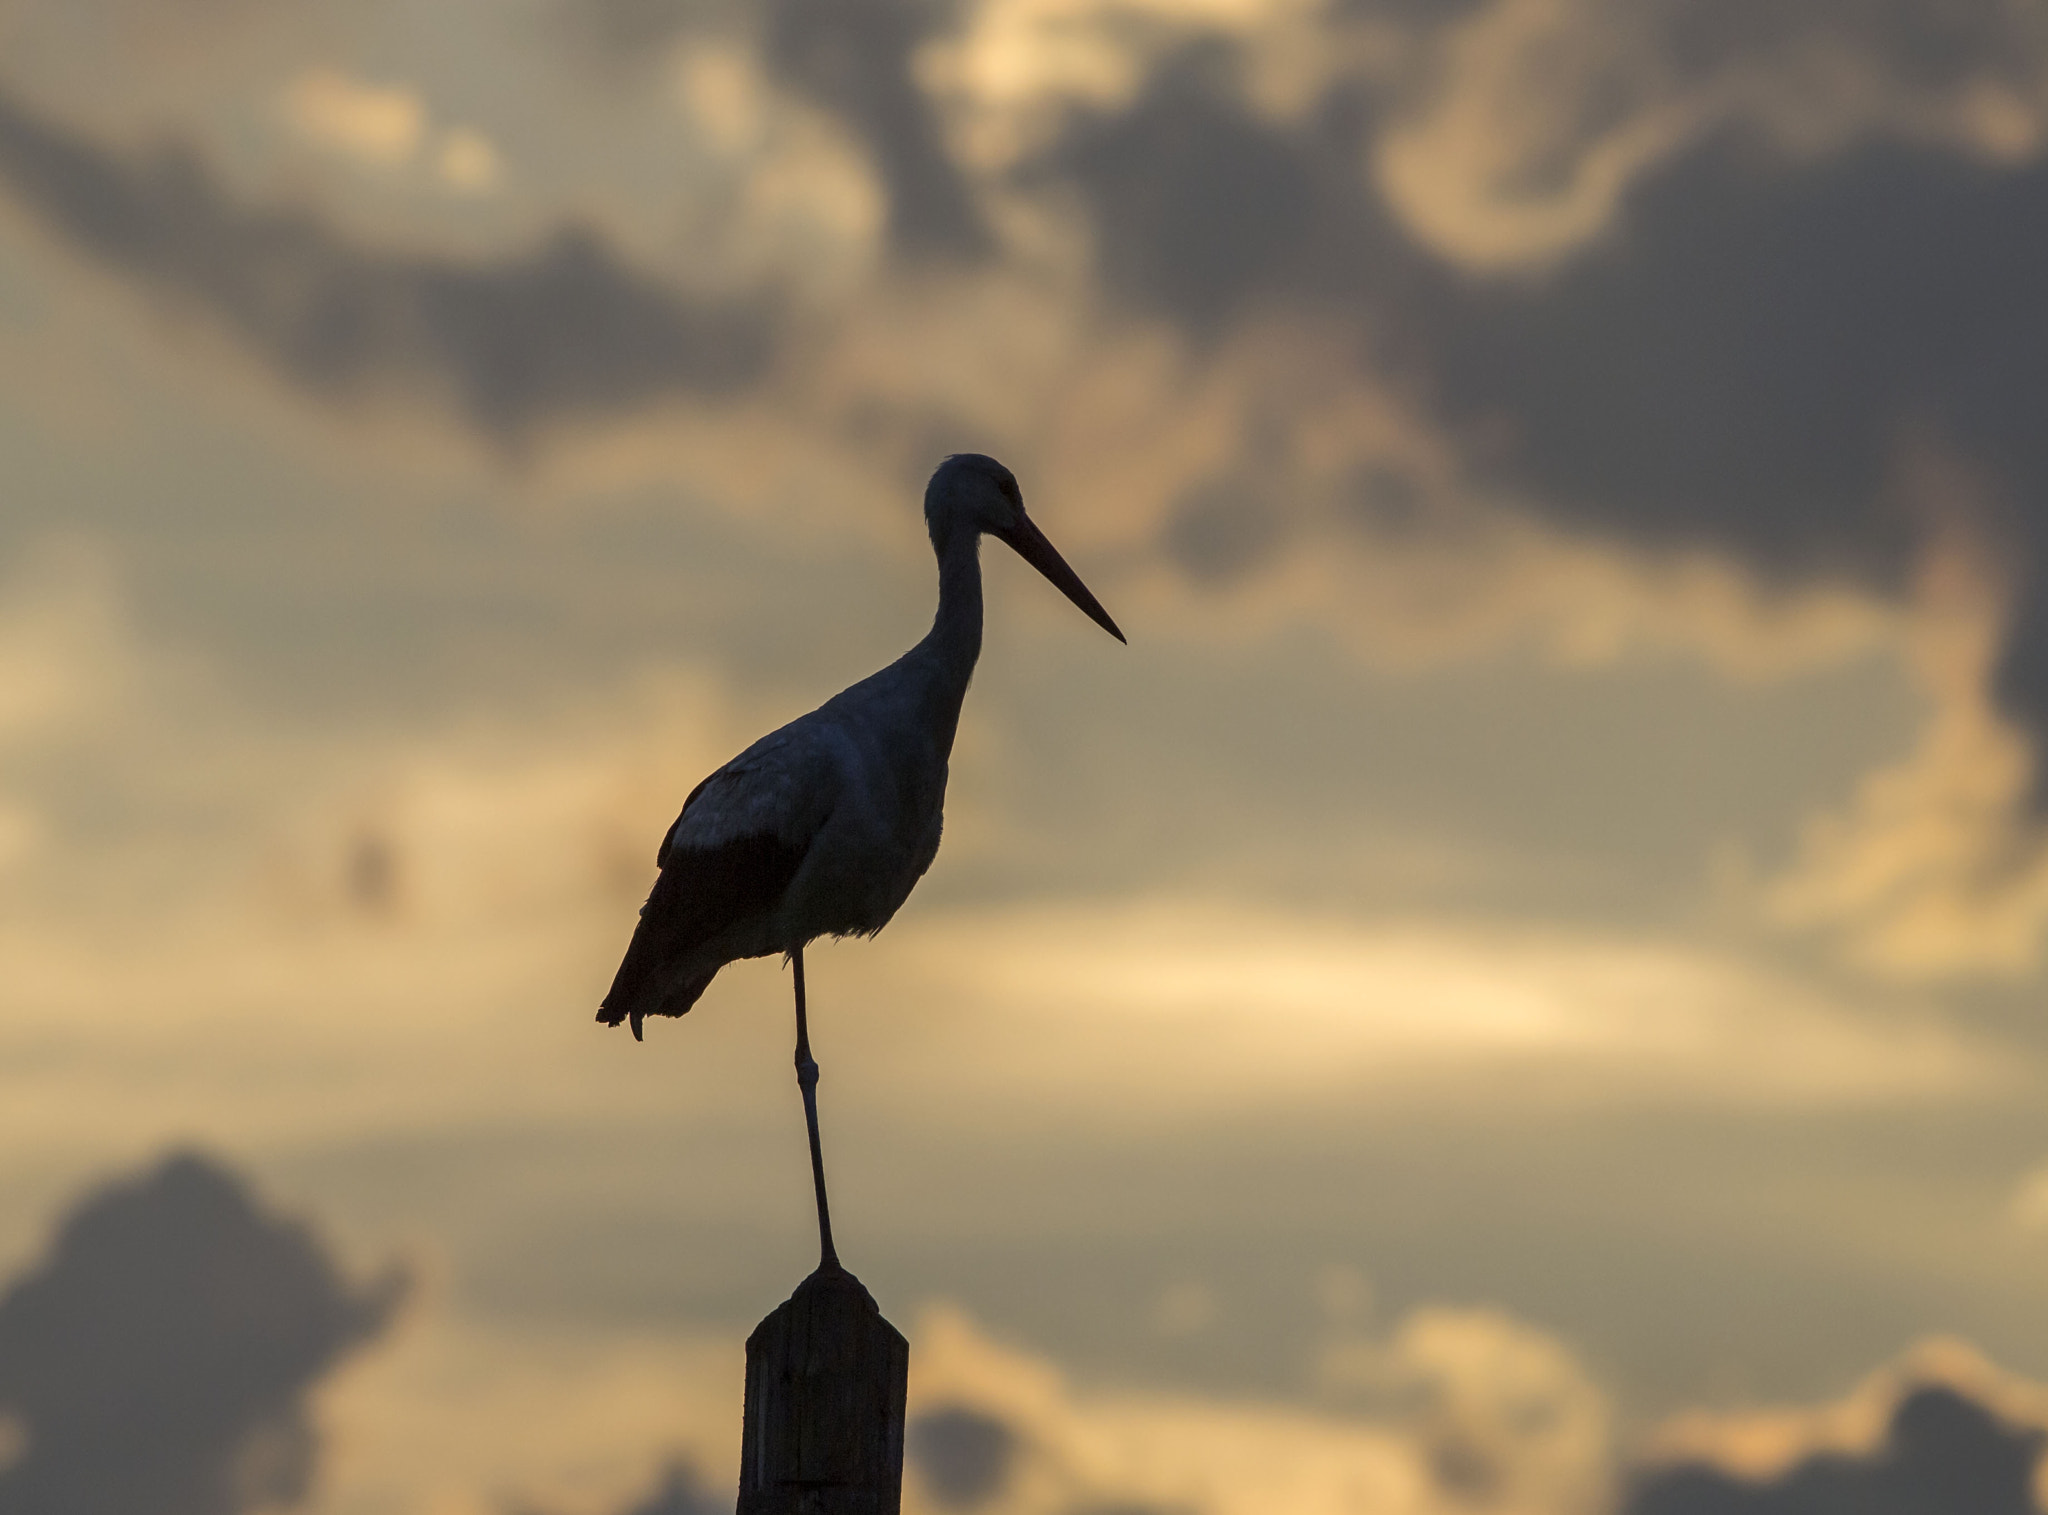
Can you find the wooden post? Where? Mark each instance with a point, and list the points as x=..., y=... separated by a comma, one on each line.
x=826, y=1379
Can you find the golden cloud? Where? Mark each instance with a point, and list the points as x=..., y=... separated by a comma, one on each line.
x=1937, y=866
x=377, y=124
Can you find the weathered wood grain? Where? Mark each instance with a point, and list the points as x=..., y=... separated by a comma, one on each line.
x=826, y=1379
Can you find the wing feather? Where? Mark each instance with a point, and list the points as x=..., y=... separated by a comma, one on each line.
x=728, y=858
x=701, y=894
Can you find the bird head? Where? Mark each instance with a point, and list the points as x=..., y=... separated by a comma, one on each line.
x=971, y=492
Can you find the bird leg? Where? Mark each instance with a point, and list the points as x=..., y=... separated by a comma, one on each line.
x=807, y=1080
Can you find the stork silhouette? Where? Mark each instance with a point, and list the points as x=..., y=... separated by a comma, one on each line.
x=823, y=827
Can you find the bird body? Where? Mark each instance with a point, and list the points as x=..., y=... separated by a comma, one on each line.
x=823, y=827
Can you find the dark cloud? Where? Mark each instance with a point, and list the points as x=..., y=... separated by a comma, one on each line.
x=1739, y=366
x=1200, y=208
x=1734, y=367
x=680, y=1492
x=1385, y=501
x=677, y=1491
x=852, y=57
x=371, y=873
x=160, y=1357
x=630, y=30
x=1943, y=1454
x=855, y=57
x=566, y=330
x=1223, y=529
x=964, y=1457
x=1914, y=43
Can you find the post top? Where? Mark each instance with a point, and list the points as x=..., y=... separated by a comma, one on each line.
x=830, y=1289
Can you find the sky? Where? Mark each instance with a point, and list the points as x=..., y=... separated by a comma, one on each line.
x=1517, y=991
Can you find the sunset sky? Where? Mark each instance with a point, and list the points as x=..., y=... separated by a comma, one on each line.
x=1526, y=974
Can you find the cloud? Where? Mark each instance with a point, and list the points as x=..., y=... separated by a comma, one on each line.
x=1537, y=118
x=564, y=331
x=1198, y=206
x=379, y=124
x=161, y=1354
x=1465, y=1410
x=1939, y=1433
x=2027, y=1208
x=67, y=651
x=963, y=1456
x=1176, y=1008
x=1739, y=369
x=1604, y=327
x=385, y=127
x=859, y=63
x=349, y=930
x=1942, y=1453
x=1505, y=1413
x=1739, y=277
x=466, y=161
x=856, y=60
x=488, y=1411
x=1459, y=1409
x=69, y=668
x=1936, y=864
x=679, y=1491
x=1825, y=371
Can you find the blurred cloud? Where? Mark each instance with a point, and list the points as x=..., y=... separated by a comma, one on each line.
x=679, y=1491
x=1199, y=206
x=1179, y=1006
x=567, y=329
x=380, y=124
x=2027, y=1208
x=1942, y=1431
x=1557, y=334
x=68, y=666
x=161, y=1355
x=1715, y=334
x=1539, y=118
x=66, y=646
x=856, y=59
x=1942, y=1453
x=1505, y=1413
x=1460, y=1409
x=467, y=161
x=962, y=1455
x=857, y=63
x=1937, y=863
x=464, y=1412
x=1470, y=1409
x=1743, y=367
x=386, y=126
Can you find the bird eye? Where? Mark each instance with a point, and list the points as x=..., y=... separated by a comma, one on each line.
x=1008, y=486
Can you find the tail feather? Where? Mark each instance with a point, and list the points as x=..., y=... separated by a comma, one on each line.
x=634, y=1002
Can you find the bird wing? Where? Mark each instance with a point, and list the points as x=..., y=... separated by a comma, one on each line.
x=728, y=858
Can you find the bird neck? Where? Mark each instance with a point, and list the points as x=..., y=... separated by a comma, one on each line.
x=956, y=630
x=951, y=650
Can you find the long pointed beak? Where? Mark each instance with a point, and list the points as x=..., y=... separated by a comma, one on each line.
x=1034, y=549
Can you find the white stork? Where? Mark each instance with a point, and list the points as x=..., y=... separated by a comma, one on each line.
x=823, y=827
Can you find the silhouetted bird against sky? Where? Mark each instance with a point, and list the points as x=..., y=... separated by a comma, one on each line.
x=824, y=827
